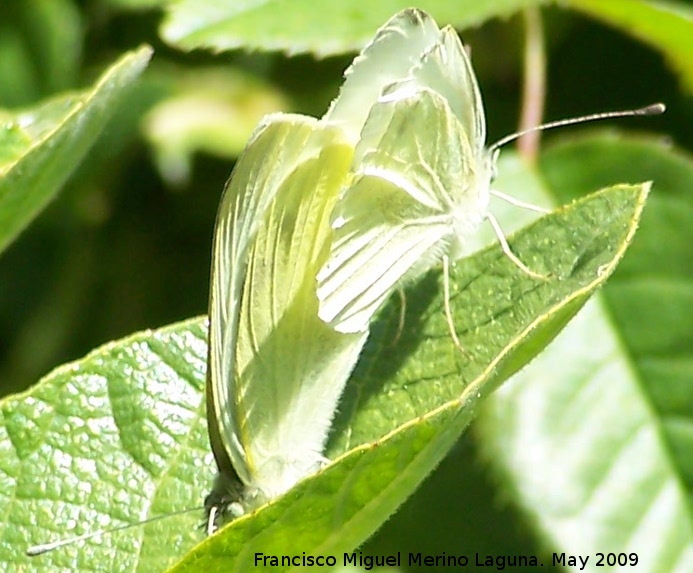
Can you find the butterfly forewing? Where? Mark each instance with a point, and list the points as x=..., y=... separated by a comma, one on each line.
x=447, y=70
x=291, y=366
x=393, y=52
x=421, y=172
x=278, y=140
x=279, y=369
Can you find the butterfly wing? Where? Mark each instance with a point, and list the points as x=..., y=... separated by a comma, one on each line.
x=395, y=49
x=421, y=170
x=277, y=141
x=414, y=190
x=447, y=70
x=410, y=45
x=280, y=369
x=292, y=366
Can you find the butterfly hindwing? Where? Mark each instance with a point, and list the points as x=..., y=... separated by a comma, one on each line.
x=413, y=189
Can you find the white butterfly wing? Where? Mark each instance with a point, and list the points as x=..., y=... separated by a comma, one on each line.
x=422, y=173
x=447, y=70
x=416, y=192
x=283, y=368
x=375, y=250
x=277, y=141
x=393, y=52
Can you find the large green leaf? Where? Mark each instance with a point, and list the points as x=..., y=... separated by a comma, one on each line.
x=110, y=439
x=592, y=440
x=121, y=435
x=295, y=26
x=39, y=147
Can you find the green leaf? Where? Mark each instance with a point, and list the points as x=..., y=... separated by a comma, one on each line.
x=592, y=440
x=55, y=137
x=295, y=26
x=121, y=435
x=106, y=441
x=667, y=26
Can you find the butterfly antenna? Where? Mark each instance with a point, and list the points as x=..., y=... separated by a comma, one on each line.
x=652, y=109
x=42, y=548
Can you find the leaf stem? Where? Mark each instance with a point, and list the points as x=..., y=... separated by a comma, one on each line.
x=534, y=92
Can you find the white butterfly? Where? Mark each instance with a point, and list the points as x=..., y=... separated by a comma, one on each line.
x=421, y=172
x=299, y=267
x=276, y=370
x=422, y=175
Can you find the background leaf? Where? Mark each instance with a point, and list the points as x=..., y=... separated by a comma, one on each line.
x=294, y=26
x=56, y=135
x=106, y=441
x=617, y=408
x=212, y=110
x=664, y=25
x=40, y=49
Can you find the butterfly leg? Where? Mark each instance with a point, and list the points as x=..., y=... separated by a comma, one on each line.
x=508, y=252
x=448, y=310
x=212, y=519
x=402, y=315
